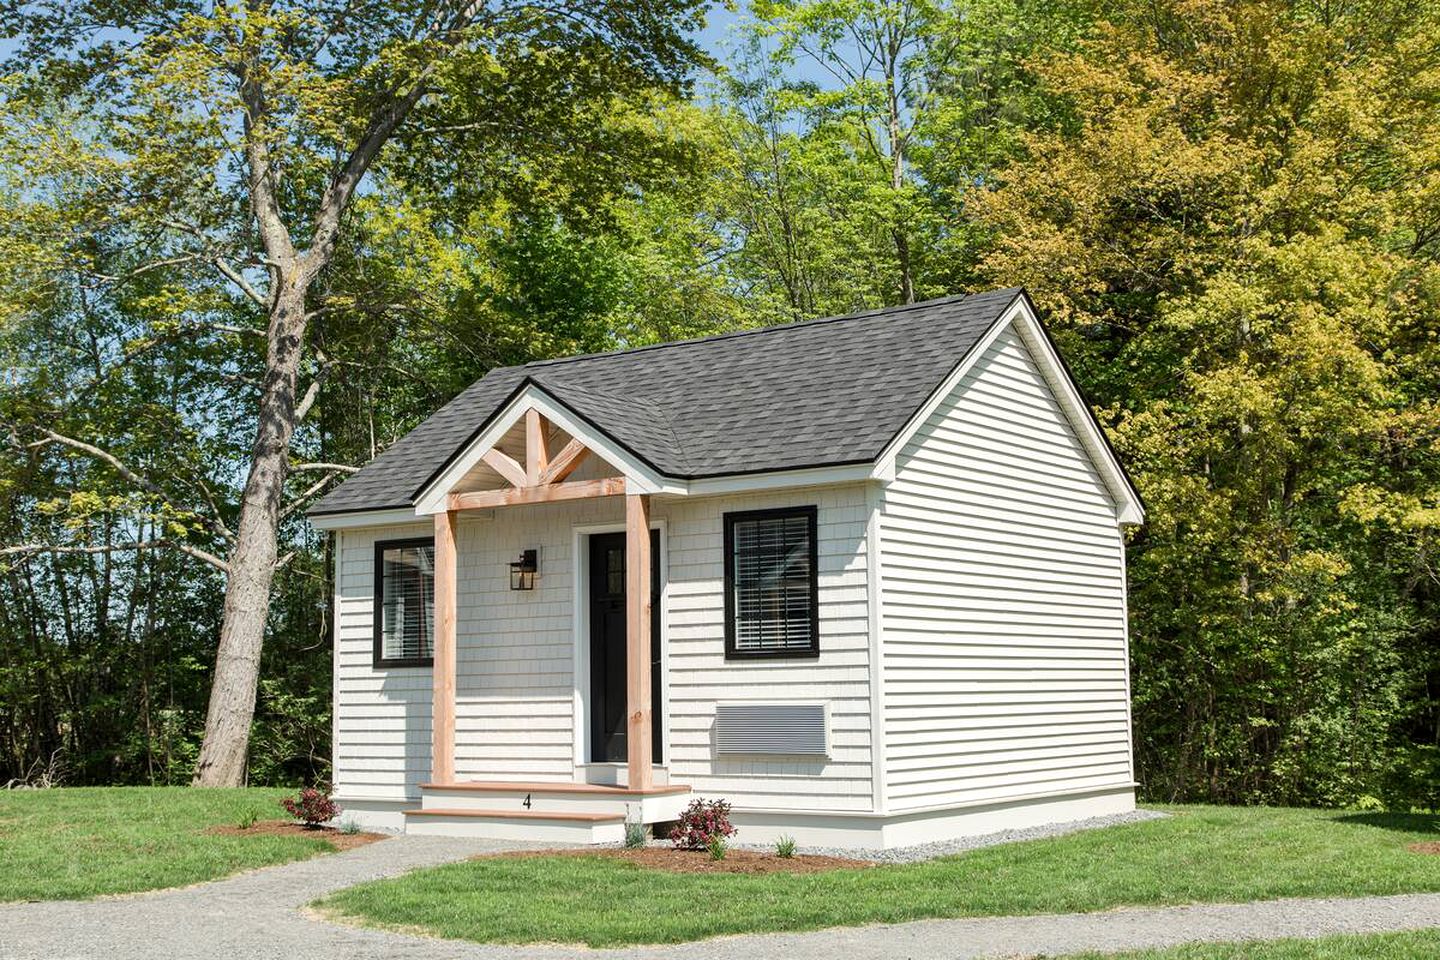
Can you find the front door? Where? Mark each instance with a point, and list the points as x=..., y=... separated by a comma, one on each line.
x=607, y=647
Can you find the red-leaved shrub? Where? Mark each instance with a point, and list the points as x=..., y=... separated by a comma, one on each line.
x=701, y=821
x=313, y=806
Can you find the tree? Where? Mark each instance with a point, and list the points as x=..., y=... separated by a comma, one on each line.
x=237, y=136
x=877, y=56
x=1234, y=232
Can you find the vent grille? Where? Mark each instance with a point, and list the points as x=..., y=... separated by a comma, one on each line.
x=776, y=729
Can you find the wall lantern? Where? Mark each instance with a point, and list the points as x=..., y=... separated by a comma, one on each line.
x=522, y=571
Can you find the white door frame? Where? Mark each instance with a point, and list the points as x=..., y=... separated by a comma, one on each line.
x=580, y=574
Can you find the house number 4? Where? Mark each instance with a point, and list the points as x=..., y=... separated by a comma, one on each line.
x=526, y=804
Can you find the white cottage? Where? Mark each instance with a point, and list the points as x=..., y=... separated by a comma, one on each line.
x=862, y=577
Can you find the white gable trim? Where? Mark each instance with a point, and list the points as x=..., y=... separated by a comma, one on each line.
x=362, y=518
x=1128, y=508
x=641, y=478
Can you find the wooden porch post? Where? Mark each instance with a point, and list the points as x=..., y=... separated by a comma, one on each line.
x=637, y=640
x=442, y=716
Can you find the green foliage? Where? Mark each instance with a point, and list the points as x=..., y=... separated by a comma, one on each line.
x=1234, y=242
x=785, y=848
x=493, y=227
x=1229, y=213
x=635, y=834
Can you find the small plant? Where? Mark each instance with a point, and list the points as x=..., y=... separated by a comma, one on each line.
x=785, y=848
x=313, y=806
x=350, y=826
x=701, y=821
x=247, y=819
x=716, y=846
x=634, y=834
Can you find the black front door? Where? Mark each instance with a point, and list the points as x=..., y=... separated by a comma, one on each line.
x=607, y=646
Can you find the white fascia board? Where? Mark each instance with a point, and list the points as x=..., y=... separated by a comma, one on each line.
x=884, y=468
x=364, y=518
x=640, y=478
x=1128, y=509
x=779, y=480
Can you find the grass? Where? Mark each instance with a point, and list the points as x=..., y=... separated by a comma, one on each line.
x=87, y=841
x=1415, y=945
x=1200, y=854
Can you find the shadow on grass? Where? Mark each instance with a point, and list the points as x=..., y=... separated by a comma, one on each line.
x=1404, y=822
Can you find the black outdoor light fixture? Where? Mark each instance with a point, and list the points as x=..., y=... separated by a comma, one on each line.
x=522, y=571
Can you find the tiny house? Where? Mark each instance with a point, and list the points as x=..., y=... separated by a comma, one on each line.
x=863, y=577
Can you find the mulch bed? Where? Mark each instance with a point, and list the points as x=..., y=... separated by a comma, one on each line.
x=1430, y=846
x=671, y=860
x=288, y=828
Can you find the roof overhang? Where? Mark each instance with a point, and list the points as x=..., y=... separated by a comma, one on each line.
x=1020, y=316
x=346, y=520
x=641, y=477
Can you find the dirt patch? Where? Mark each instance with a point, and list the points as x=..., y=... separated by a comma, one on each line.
x=288, y=828
x=1430, y=846
x=671, y=860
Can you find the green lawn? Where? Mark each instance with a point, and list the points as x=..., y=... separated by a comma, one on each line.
x=1199, y=854
x=1419, y=945
x=85, y=841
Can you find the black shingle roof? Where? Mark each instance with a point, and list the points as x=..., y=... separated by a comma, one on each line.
x=817, y=393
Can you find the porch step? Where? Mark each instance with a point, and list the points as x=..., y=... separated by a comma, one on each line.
x=649, y=805
x=573, y=828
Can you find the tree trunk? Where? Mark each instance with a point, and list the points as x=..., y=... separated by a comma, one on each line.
x=895, y=129
x=252, y=559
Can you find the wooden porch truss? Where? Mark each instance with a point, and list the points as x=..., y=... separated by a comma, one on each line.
x=542, y=478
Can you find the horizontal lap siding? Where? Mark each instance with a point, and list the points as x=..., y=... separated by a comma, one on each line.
x=700, y=676
x=1002, y=601
x=382, y=717
x=515, y=683
x=514, y=701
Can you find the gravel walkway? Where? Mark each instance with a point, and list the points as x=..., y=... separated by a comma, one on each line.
x=260, y=915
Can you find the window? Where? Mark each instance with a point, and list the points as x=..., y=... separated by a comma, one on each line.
x=404, y=603
x=771, y=584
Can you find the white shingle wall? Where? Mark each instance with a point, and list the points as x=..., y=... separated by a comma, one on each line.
x=1002, y=596
x=515, y=677
x=382, y=717
x=700, y=675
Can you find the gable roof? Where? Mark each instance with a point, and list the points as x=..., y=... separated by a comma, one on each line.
x=817, y=393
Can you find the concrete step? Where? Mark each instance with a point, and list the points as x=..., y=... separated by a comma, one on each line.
x=565, y=828
x=651, y=805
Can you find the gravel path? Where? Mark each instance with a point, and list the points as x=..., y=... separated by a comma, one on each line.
x=260, y=915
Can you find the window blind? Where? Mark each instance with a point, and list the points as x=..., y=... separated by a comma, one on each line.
x=772, y=583
x=407, y=602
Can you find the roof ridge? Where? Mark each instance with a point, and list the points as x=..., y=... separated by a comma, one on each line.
x=773, y=328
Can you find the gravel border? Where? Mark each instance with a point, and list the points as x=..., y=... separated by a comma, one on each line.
x=945, y=848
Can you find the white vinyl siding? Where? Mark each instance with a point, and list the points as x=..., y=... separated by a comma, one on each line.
x=515, y=715
x=382, y=717
x=700, y=676
x=1002, y=594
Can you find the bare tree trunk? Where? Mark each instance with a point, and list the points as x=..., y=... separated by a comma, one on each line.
x=252, y=560
x=895, y=129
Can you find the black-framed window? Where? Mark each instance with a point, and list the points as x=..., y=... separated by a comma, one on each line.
x=772, y=584
x=405, y=603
